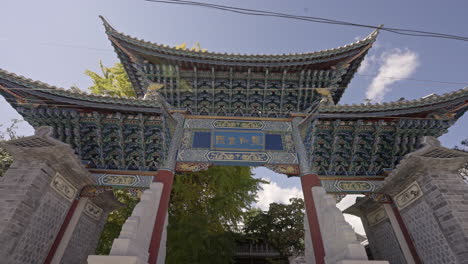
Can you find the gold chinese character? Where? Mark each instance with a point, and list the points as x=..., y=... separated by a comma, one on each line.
x=232, y=140
x=256, y=140
x=243, y=140
x=220, y=140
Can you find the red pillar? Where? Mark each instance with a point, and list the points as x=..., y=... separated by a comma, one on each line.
x=308, y=181
x=165, y=177
x=406, y=234
x=61, y=232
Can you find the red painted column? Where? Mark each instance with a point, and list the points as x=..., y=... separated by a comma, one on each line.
x=61, y=232
x=308, y=181
x=406, y=234
x=165, y=177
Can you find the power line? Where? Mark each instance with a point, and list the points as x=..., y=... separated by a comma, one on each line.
x=171, y=1
x=254, y=12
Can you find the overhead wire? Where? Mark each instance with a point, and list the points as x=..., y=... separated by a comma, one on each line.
x=254, y=12
x=307, y=18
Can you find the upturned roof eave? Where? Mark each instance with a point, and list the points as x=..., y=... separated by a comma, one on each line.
x=20, y=85
x=260, y=59
x=398, y=107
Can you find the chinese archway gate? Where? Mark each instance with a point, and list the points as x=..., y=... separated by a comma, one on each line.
x=196, y=109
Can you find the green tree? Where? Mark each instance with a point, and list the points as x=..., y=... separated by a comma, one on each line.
x=114, y=81
x=281, y=227
x=10, y=133
x=206, y=208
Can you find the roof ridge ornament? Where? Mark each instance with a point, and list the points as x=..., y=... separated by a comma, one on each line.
x=106, y=24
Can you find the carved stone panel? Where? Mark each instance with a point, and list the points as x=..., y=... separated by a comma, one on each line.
x=408, y=195
x=376, y=216
x=93, y=210
x=63, y=187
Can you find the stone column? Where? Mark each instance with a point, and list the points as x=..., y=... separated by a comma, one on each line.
x=308, y=182
x=165, y=177
x=38, y=197
x=332, y=238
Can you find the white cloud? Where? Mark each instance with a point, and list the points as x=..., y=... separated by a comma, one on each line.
x=394, y=65
x=368, y=64
x=273, y=193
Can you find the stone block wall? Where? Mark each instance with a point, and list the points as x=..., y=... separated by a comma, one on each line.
x=31, y=212
x=431, y=197
x=425, y=232
x=88, y=230
x=438, y=220
x=39, y=192
x=383, y=242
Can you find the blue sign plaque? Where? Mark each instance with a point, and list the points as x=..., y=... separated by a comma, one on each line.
x=238, y=140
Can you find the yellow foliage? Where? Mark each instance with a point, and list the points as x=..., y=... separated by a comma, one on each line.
x=196, y=47
x=182, y=46
x=155, y=86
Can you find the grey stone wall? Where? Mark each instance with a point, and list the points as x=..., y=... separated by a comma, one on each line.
x=35, y=196
x=438, y=221
x=426, y=234
x=383, y=243
x=31, y=212
x=382, y=240
x=432, y=198
x=88, y=231
x=84, y=240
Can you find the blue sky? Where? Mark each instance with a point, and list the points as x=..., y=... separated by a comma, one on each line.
x=56, y=41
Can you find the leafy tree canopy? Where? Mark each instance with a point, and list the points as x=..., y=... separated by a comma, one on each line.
x=113, y=81
x=10, y=133
x=281, y=227
x=206, y=207
x=195, y=47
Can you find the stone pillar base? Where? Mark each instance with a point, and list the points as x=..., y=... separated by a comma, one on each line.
x=114, y=260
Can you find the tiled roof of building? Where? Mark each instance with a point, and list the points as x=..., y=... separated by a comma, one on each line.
x=230, y=57
x=20, y=85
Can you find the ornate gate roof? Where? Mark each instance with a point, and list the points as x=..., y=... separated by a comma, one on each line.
x=344, y=143
x=209, y=83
